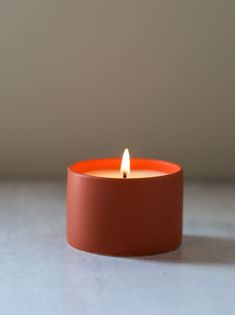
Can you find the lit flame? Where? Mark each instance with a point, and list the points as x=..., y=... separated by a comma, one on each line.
x=125, y=166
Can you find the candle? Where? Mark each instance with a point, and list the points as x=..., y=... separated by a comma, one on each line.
x=125, y=206
x=125, y=171
x=133, y=174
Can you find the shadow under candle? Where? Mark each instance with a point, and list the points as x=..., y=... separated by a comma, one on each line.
x=198, y=249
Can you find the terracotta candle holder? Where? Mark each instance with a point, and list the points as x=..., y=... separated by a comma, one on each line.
x=124, y=217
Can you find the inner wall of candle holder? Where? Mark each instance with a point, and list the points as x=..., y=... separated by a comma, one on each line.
x=115, y=163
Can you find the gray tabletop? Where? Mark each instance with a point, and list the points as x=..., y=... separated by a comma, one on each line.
x=41, y=274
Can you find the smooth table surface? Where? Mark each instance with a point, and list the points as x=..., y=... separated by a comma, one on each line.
x=41, y=274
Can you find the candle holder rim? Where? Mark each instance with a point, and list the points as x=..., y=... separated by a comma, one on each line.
x=172, y=173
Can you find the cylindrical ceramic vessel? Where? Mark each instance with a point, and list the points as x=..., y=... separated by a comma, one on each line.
x=125, y=217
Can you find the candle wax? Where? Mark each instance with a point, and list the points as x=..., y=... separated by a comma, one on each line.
x=133, y=174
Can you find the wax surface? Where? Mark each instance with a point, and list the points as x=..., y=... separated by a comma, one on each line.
x=133, y=174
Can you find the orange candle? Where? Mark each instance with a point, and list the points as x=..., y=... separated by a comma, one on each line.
x=125, y=207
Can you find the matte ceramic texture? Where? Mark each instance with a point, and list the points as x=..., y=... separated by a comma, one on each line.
x=124, y=217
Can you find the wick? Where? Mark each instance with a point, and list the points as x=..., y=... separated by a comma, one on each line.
x=124, y=175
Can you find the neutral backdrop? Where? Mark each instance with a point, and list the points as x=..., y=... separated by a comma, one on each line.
x=85, y=79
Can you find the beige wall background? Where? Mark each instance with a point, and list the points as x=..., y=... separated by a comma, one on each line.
x=84, y=79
